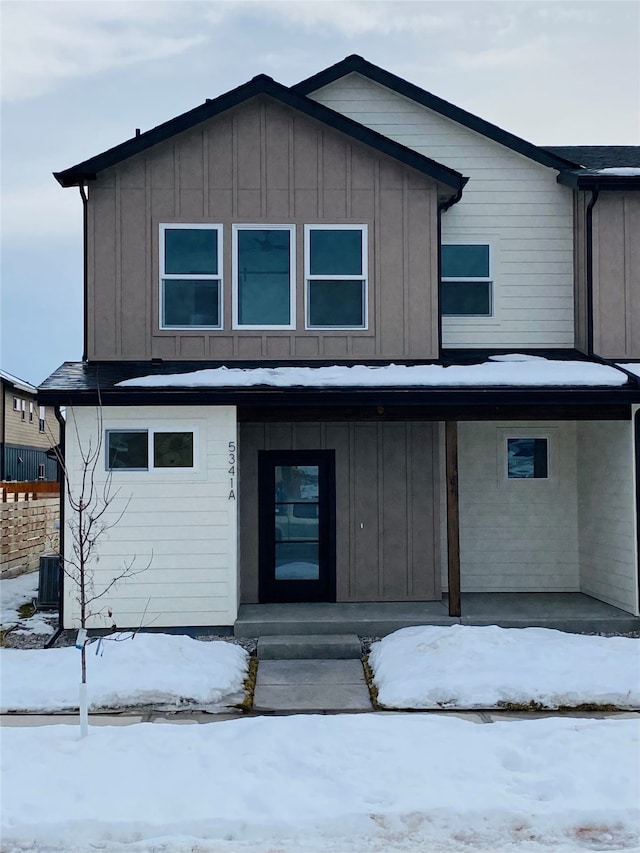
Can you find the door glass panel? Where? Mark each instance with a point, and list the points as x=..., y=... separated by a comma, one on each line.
x=296, y=519
x=297, y=561
x=296, y=483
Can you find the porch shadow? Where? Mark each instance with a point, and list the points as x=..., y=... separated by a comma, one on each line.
x=570, y=611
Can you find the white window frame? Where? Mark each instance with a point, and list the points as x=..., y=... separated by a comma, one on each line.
x=265, y=226
x=23, y=409
x=504, y=434
x=473, y=279
x=151, y=432
x=364, y=277
x=42, y=414
x=30, y=412
x=204, y=226
x=16, y=404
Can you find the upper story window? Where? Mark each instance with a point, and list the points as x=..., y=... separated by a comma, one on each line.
x=467, y=284
x=336, y=276
x=30, y=412
x=264, y=277
x=191, y=276
x=16, y=404
x=41, y=418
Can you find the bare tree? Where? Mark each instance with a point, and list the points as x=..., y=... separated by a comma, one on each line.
x=90, y=514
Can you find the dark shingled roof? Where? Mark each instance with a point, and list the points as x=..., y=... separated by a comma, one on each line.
x=599, y=156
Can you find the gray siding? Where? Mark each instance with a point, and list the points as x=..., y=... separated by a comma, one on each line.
x=387, y=505
x=261, y=163
x=616, y=275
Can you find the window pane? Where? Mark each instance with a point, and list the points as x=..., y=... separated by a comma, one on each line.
x=335, y=252
x=465, y=262
x=173, y=450
x=297, y=561
x=190, y=251
x=296, y=483
x=336, y=303
x=264, y=281
x=191, y=303
x=467, y=298
x=127, y=449
x=527, y=458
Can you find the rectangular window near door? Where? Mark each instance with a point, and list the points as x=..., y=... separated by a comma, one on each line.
x=527, y=458
x=127, y=449
x=466, y=280
x=150, y=450
x=191, y=276
x=263, y=276
x=336, y=276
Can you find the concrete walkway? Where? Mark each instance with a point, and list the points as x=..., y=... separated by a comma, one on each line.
x=289, y=686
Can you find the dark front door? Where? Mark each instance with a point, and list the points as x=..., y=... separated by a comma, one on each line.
x=297, y=525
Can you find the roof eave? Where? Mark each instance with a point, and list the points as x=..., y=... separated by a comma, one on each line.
x=590, y=181
x=261, y=85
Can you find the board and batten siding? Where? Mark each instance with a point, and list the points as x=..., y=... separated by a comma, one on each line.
x=510, y=202
x=261, y=163
x=517, y=535
x=387, y=505
x=616, y=275
x=182, y=524
x=606, y=513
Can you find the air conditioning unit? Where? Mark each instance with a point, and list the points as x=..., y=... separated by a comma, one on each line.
x=49, y=584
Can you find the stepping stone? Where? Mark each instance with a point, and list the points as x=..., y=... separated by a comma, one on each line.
x=311, y=685
x=310, y=647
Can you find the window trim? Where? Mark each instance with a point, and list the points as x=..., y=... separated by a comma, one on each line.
x=235, y=301
x=364, y=277
x=504, y=433
x=472, y=279
x=16, y=404
x=184, y=226
x=42, y=417
x=151, y=432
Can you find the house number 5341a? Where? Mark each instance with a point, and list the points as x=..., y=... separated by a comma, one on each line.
x=232, y=470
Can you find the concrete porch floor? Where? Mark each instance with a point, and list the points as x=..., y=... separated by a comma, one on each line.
x=567, y=611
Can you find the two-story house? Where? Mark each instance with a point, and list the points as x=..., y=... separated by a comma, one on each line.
x=351, y=343
x=28, y=431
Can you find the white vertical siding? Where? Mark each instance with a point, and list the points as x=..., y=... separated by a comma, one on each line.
x=517, y=535
x=182, y=523
x=606, y=513
x=510, y=202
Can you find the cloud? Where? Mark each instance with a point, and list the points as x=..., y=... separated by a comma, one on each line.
x=46, y=42
x=533, y=53
x=355, y=17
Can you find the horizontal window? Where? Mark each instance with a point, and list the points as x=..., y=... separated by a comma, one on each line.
x=336, y=276
x=264, y=276
x=527, y=458
x=466, y=281
x=131, y=449
x=191, y=276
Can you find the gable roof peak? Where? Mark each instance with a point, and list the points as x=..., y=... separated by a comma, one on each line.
x=359, y=65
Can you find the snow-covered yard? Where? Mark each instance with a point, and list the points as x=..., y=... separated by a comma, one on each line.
x=14, y=592
x=125, y=670
x=301, y=784
x=463, y=666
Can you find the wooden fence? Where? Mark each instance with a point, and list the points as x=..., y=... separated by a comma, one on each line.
x=28, y=491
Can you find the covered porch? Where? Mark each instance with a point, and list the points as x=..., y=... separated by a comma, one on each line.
x=566, y=611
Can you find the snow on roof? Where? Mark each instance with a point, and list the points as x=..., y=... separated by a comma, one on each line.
x=503, y=370
x=622, y=171
x=19, y=384
x=631, y=366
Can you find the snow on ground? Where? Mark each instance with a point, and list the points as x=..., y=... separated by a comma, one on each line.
x=343, y=783
x=512, y=369
x=14, y=592
x=464, y=666
x=158, y=669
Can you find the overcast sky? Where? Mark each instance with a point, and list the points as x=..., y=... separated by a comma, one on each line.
x=79, y=77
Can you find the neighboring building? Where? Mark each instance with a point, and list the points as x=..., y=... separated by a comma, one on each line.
x=29, y=430
x=243, y=255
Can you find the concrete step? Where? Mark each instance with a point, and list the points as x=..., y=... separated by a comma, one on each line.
x=309, y=647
